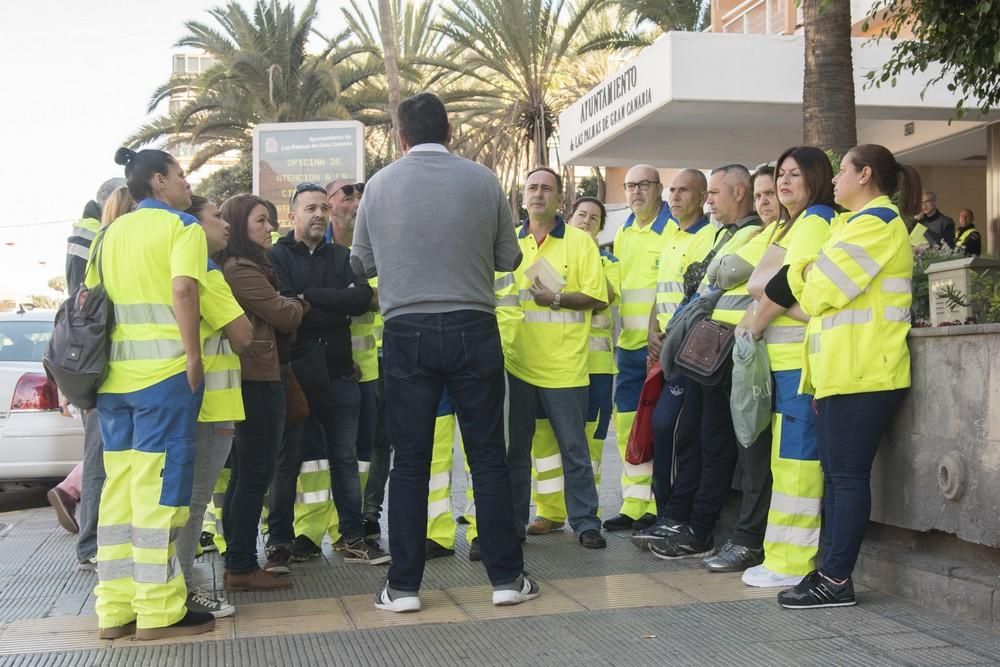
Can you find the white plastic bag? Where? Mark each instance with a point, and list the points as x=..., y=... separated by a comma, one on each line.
x=750, y=401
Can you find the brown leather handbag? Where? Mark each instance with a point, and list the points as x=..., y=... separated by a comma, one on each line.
x=706, y=355
x=296, y=403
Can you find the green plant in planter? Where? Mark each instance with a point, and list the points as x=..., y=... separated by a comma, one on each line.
x=922, y=258
x=983, y=297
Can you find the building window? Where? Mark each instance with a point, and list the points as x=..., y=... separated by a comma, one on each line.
x=179, y=65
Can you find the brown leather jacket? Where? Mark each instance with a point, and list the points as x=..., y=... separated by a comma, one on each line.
x=273, y=317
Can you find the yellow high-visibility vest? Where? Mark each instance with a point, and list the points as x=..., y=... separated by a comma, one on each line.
x=638, y=249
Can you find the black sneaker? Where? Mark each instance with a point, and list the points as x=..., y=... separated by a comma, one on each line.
x=733, y=557
x=434, y=550
x=364, y=551
x=662, y=529
x=277, y=560
x=304, y=549
x=592, y=539
x=207, y=541
x=193, y=623
x=373, y=530
x=620, y=522
x=816, y=591
x=201, y=601
x=683, y=544
x=474, y=554
x=643, y=522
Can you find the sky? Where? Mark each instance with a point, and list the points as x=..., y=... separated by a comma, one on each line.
x=76, y=78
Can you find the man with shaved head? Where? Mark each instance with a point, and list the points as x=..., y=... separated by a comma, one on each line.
x=638, y=244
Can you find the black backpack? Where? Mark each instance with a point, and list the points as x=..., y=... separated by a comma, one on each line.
x=76, y=358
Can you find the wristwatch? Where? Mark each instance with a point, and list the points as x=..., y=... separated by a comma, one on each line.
x=556, y=305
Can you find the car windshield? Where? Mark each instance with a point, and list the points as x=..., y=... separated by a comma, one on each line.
x=22, y=340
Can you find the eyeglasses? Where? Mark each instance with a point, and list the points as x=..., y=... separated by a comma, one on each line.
x=350, y=189
x=304, y=187
x=641, y=186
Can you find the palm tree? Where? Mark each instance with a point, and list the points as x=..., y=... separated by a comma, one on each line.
x=262, y=73
x=386, y=25
x=507, y=56
x=649, y=18
x=828, y=111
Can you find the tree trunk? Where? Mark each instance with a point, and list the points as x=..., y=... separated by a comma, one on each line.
x=390, y=55
x=828, y=112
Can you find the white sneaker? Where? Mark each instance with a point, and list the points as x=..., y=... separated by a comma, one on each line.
x=761, y=577
x=529, y=591
x=201, y=601
x=400, y=605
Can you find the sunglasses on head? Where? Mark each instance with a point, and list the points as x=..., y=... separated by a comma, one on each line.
x=350, y=189
x=305, y=187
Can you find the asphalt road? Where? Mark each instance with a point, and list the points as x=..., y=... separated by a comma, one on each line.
x=22, y=497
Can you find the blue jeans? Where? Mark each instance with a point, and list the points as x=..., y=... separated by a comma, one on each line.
x=302, y=442
x=253, y=460
x=424, y=354
x=849, y=428
x=567, y=412
x=337, y=409
x=668, y=409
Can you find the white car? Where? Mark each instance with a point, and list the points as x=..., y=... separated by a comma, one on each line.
x=37, y=441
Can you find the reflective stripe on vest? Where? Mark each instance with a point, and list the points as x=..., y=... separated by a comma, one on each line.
x=814, y=343
x=897, y=285
x=503, y=282
x=600, y=322
x=555, y=316
x=896, y=314
x=647, y=294
x=862, y=316
x=670, y=286
x=777, y=335
x=666, y=307
x=134, y=350
x=84, y=233
x=734, y=302
x=144, y=313
x=510, y=300
x=216, y=346
x=837, y=276
x=636, y=321
x=860, y=257
x=220, y=380
x=598, y=344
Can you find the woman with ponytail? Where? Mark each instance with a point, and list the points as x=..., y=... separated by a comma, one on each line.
x=857, y=291
x=151, y=263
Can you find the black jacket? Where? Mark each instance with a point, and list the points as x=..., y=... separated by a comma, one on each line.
x=324, y=277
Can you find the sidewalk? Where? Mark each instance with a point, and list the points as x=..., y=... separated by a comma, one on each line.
x=619, y=606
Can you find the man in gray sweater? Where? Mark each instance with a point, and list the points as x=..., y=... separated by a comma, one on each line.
x=435, y=227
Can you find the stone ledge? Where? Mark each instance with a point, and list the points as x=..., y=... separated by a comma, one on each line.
x=954, y=330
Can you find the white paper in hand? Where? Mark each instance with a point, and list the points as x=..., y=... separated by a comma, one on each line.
x=546, y=274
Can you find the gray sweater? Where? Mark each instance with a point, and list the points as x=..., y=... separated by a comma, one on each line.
x=434, y=227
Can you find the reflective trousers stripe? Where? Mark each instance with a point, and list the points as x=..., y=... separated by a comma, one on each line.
x=641, y=470
x=219, y=380
x=109, y=570
x=670, y=286
x=317, y=465
x=313, y=497
x=638, y=492
x=554, y=485
x=555, y=316
x=142, y=538
x=438, y=507
x=134, y=350
x=367, y=318
x=440, y=480
x=144, y=313
x=861, y=316
x=77, y=250
x=803, y=537
x=364, y=466
x=786, y=504
x=141, y=573
x=547, y=463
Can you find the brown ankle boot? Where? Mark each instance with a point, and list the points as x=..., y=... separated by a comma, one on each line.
x=257, y=580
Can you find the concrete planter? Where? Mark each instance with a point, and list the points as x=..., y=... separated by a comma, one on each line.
x=939, y=467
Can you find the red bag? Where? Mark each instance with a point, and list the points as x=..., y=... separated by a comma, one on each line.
x=640, y=439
